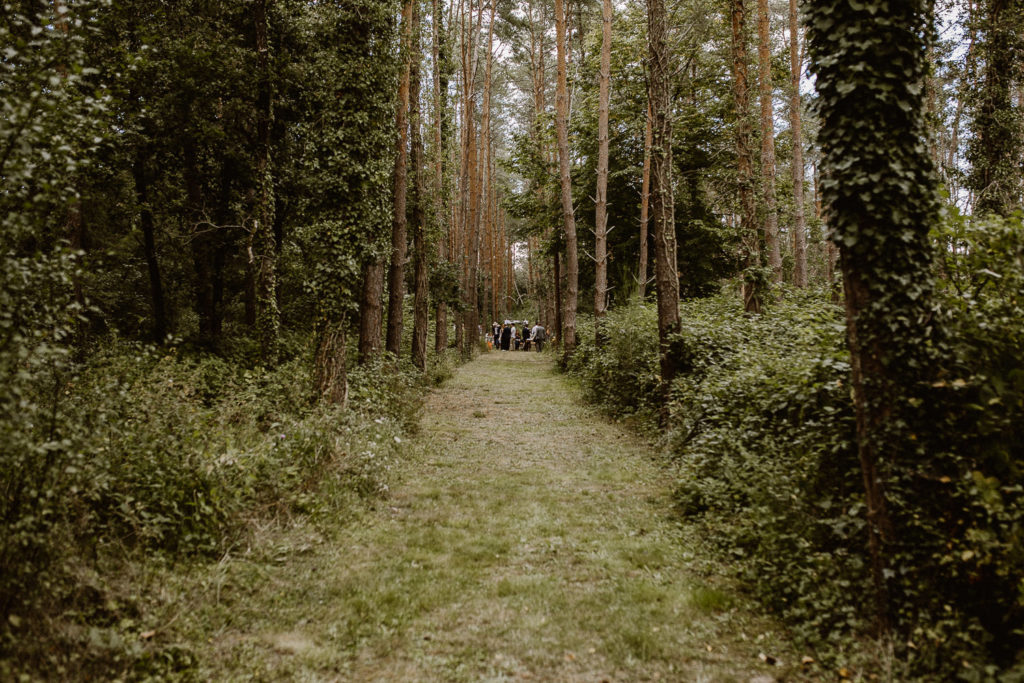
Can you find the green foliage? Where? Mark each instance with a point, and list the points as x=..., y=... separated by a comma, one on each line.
x=623, y=374
x=761, y=432
x=167, y=453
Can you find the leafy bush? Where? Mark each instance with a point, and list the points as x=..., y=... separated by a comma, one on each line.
x=142, y=450
x=761, y=432
x=623, y=374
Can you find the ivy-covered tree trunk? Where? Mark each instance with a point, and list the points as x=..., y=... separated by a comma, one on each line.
x=601, y=214
x=769, y=208
x=268, y=317
x=796, y=128
x=399, y=226
x=998, y=144
x=330, y=375
x=421, y=283
x=568, y=215
x=877, y=179
x=666, y=274
x=751, y=256
x=371, y=309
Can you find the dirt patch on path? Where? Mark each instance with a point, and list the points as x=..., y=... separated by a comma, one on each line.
x=525, y=539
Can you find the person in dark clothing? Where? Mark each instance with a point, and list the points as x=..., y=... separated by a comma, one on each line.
x=506, y=337
x=526, y=336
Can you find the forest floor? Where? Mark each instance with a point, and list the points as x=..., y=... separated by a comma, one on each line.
x=524, y=538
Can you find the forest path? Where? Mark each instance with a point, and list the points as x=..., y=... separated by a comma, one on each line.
x=525, y=538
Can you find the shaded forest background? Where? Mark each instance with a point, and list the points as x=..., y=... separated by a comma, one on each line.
x=240, y=238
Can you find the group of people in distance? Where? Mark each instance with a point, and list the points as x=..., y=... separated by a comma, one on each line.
x=515, y=335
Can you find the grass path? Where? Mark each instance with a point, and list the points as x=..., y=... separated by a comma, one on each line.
x=525, y=538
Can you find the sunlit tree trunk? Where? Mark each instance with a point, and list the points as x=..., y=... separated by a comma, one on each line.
x=568, y=216
x=601, y=214
x=440, y=217
x=645, y=201
x=268, y=317
x=795, y=121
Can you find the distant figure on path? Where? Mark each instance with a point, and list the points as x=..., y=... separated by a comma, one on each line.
x=538, y=334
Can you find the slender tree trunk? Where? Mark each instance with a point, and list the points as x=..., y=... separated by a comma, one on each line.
x=200, y=243
x=399, y=225
x=568, y=216
x=662, y=200
x=752, y=294
x=771, y=214
x=601, y=214
x=795, y=119
x=645, y=200
x=440, y=118
x=268, y=317
x=156, y=289
x=422, y=284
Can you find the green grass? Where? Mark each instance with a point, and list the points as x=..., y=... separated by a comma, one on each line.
x=527, y=538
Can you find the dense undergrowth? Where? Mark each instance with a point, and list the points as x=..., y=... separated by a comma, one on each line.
x=761, y=435
x=138, y=454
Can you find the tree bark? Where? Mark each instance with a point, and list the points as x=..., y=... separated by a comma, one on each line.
x=645, y=201
x=751, y=256
x=568, y=216
x=771, y=214
x=440, y=139
x=330, y=376
x=601, y=213
x=268, y=317
x=156, y=290
x=371, y=310
x=422, y=284
x=662, y=199
x=399, y=224
x=795, y=119
x=996, y=147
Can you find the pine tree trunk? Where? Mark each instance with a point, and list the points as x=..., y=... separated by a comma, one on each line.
x=440, y=139
x=371, y=310
x=421, y=281
x=645, y=201
x=568, y=216
x=666, y=275
x=399, y=224
x=601, y=214
x=771, y=214
x=795, y=118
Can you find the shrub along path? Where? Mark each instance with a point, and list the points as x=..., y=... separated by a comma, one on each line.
x=525, y=538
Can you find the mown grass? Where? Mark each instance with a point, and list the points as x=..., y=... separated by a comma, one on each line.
x=529, y=542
